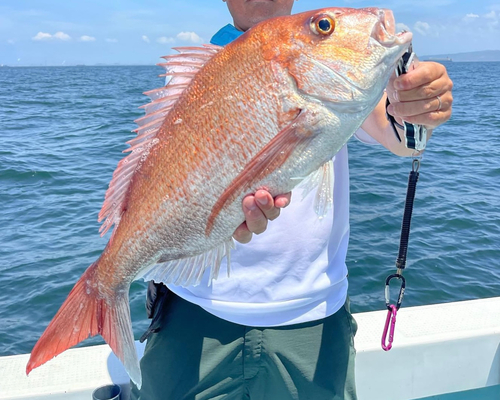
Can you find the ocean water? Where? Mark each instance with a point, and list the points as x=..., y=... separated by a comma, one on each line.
x=63, y=130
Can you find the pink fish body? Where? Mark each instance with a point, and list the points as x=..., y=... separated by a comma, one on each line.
x=266, y=111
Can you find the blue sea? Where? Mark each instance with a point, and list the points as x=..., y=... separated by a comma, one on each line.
x=63, y=130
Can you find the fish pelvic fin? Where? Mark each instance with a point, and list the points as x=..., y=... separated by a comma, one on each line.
x=321, y=180
x=87, y=313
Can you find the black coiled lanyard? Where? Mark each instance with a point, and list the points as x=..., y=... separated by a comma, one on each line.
x=415, y=138
x=392, y=309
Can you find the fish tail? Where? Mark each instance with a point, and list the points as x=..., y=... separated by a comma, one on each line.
x=86, y=312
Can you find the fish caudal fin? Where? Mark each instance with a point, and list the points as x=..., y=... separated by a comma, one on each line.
x=87, y=313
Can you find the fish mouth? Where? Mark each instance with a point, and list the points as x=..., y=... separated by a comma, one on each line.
x=384, y=30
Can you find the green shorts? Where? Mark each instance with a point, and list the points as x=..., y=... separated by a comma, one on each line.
x=197, y=356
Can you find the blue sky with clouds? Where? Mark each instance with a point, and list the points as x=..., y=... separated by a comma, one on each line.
x=57, y=32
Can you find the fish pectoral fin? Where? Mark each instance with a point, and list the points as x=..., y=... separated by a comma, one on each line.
x=87, y=313
x=189, y=271
x=294, y=137
x=322, y=180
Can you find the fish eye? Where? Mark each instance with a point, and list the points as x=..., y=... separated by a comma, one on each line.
x=323, y=25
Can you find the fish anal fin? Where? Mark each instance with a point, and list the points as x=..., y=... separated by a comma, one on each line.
x=189, y=271
x=86, y=313
x=267, y=160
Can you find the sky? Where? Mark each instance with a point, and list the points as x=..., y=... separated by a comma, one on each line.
x=57, y=32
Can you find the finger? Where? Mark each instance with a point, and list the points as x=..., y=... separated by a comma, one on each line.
x=242, y=234
x=430, y=120
x=419, y=107
x=425, y=73
x=269, y=206
x=390, y=89
x=283, y=200
x=265, y=202
x=428, y=91
x=256, y=220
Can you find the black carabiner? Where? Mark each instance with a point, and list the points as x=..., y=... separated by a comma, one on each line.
x=401, y=290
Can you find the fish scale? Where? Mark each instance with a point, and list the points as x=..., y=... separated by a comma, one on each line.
x=266, y=111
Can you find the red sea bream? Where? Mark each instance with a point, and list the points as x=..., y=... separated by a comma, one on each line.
x=265, y=111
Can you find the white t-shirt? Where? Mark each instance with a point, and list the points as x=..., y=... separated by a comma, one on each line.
x=294, y=272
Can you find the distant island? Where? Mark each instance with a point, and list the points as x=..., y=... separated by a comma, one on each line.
x=478, y=56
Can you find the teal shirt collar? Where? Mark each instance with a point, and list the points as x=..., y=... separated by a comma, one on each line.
x=226, y=35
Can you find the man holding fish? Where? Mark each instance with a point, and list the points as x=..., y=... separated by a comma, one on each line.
x=236, y=350
x=247, y=123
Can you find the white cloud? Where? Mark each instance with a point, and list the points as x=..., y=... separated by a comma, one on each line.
x=61, y=36
x=112, y=40
x=165, y=40
x=42, y=36
x=86, y=38
x=189, y=37
x=491, y=15
x=402, y=27
x=145, y=38
x=470, y=17
x=48, y=36
x=483, y=23
x=422, y=27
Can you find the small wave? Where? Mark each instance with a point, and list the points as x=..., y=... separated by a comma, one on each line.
x=25, y=176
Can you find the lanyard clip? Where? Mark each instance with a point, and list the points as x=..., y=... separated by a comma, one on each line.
x=392, y=310
x=391, y=319
x=401, y=290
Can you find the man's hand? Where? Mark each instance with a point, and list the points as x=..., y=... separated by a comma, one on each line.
x=413, y=98
x=414, y=95
x=259, y=209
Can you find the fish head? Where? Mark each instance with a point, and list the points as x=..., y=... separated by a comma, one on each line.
x=341, y=56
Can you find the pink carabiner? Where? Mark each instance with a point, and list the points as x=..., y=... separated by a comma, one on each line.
x=391, y=318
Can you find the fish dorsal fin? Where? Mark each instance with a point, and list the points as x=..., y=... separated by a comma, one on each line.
x=181, y=68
